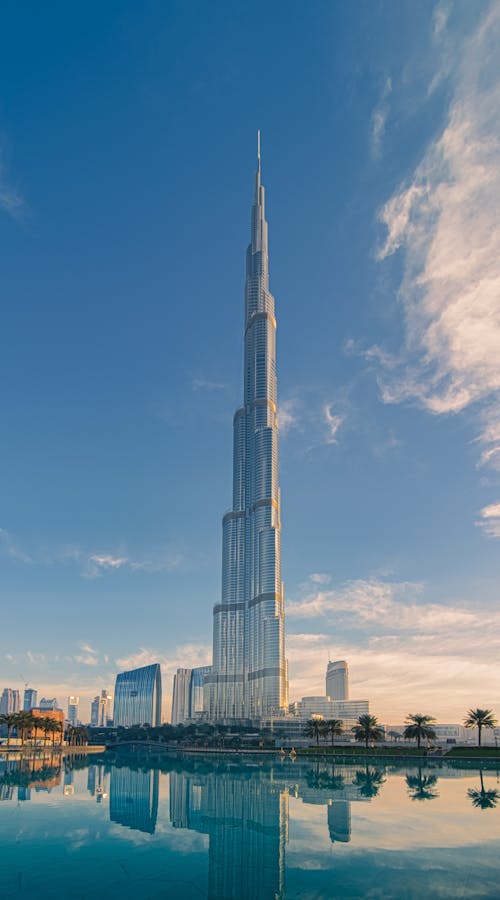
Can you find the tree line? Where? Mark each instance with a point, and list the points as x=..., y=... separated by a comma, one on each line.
x=418, y=727
x=29, y=728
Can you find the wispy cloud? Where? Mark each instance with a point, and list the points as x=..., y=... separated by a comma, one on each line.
x=333, y=422
x=97, y=564
x=379, y=120
x=200, y=383
x=288, y=415
x=445, y=219
x=93, y=565
x=11, y=549
x=490, y=520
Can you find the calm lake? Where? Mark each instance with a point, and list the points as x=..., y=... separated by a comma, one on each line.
x=257, y=828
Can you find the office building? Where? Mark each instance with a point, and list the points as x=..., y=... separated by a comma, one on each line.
x=197, y=691
x=348, y=711
x=48, y=703
x=73, y=710
x=100, y=710
x=181, y=696
x=10, y=702
x=249, y=679
x=138, y=697
x=30, y=699
x=337, y=680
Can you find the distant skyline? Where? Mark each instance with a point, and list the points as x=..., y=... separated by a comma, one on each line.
x=127, y=145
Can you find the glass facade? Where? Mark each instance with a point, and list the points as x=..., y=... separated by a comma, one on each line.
x=337, y=680
x=249, y=678
x=197, y=690
x=138, y=697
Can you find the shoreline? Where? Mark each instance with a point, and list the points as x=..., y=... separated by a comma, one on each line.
x=300, y=753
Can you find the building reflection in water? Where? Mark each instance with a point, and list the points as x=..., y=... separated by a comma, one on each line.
x=24, y=773
x=97, y=782
x=339, y=820
x=133, y=798
x=246, y=818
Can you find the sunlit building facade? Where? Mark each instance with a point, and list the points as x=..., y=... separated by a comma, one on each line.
x=10, y=701
x=73, y=710
x=30, y=699
x=138, y=697
x=180, y=696
x=249, y=679
x=100, y=710
x=337, y=680
x=197, y=690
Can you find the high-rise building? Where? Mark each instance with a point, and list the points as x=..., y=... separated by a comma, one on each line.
x=48, y=703
x=337, y=680
x=249, y=678
x=10, y=701
x=73, y=710
x=94, y=712
x=30, y=699
x=181, y=696
x=197, y=691
x=100, y=710
x=138, y=697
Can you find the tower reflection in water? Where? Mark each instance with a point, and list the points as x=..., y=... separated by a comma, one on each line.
x=244, y=810
x=97, y=782
x=133, y=798
x=246, y=818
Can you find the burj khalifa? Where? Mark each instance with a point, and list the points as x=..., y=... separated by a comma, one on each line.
x=249, y=678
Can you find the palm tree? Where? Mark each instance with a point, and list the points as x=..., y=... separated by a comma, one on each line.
x=368, y=729
x=370, y=781
x=334, y=727
x=24, y=724
x=480, y=718
x=82, y=735
x=10, y=720
x=483, y=799
x=47, y=726
x=418, y=727
x=57, y=729
x=314, y=728
x=422, y=787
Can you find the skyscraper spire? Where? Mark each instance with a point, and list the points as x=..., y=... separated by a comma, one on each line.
x=249, y=678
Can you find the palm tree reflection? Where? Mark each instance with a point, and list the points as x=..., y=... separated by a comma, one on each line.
x=369, y=781
x=482, y=798
x=422, y=787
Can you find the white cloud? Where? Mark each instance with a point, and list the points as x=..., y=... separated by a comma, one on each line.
x=333, y=422
x=93, y=565
x=11, y=549
x=379, y=120
x=86, y=660
x=446, y=220
x=101, y=562
x=320, y=578
x=490, y=520
x=204, y=384
x=288, y=417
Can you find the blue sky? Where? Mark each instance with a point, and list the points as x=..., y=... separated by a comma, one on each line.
x=127, y=151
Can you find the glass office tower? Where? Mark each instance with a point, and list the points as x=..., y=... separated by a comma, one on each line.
x=138, y=697
x=249, y=678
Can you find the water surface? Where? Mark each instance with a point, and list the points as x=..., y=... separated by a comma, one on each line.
x=261, y=829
